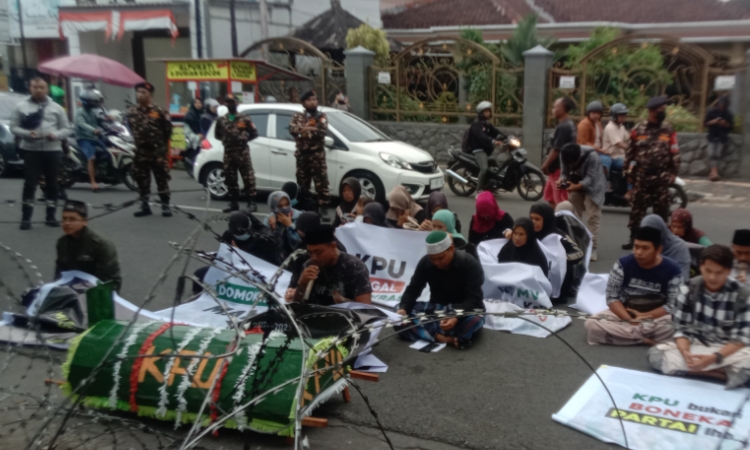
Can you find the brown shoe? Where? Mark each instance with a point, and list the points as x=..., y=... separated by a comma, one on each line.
x=714, y=175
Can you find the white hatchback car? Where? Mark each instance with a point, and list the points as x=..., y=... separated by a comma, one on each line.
x=354, y=148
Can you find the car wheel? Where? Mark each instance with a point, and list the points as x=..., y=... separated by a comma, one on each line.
x=3, y=166
x=213, y=180
x=371, y=185
x=531, y=187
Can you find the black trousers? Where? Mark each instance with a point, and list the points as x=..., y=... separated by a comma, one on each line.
x=35, y=164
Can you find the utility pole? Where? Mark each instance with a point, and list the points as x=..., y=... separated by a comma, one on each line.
x=233, y=21
x=23, y=40
x=198, y=28
x=263, y=19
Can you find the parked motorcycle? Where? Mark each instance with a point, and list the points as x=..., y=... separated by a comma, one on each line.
x=616, y=196
x=514, y=173
x=113, y=166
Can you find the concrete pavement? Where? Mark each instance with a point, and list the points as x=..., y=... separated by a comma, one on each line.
x=498, y=395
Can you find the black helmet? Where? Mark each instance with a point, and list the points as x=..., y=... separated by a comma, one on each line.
x=595, y=106
x=91, y=98
x=618, y=109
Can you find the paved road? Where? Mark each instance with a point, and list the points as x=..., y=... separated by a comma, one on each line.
x=498, y=395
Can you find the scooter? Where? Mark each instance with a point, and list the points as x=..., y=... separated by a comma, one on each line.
x=514, y=173
x=113, y=166
x=616, y=196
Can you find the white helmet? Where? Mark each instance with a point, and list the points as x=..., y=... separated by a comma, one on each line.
x=482, y=106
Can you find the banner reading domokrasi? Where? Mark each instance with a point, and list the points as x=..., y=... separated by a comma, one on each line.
x=659, y=412
x=391, y=257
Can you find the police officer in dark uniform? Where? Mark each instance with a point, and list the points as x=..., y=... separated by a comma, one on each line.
x=309, y=130
x=152, y=130
x=235, y=131
x=653, y=161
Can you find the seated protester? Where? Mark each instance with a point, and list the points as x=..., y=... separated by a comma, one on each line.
x=83, y=249
x=300, y=200
x=524, y=247
x=404, y=212
x=490, y=222
x=336, y=277
x=681, y=226
x=351, y=191
x=641, y=286
x=445, y=220
x=741, y=249
x=374, y=214
x=247, y=233
x=566, y=206
x=455, y=281
x=545, y=223
x=361, y=203
x=674, y=248
x=437, y=202
x=712, y=325
x=281, y=221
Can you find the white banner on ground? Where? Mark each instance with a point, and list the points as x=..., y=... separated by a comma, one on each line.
x=520, y=284
x=391, y=257
x=532, y=326
x=590, y=247
x=555, y=254
x=592, y=294
x=659, y=412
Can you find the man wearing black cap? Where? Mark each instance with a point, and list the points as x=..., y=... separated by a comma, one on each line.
x=335, y=277
x=741, y=249
x=235, y=131
x=152, y=130
x=249, y=234
x=652, y=161
x=309, y=130
x=641, y=292
x=83, y=249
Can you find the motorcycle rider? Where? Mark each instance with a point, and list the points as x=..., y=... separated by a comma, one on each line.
x=590, y=128
x=87, y=130
x=616, y=139
x=483, y=138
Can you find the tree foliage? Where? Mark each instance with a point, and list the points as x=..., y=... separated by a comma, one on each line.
x=372, y=39
x=524, y=38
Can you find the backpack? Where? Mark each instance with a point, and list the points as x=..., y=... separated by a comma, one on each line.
x=32, y=121
x=465, y=145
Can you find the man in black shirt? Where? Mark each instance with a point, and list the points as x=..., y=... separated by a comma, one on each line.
x=331, y=276
x=565, y=133
x=455, y=280
x=719, y=121
x=483, y=137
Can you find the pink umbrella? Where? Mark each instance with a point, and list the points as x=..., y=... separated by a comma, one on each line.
x=92, y=67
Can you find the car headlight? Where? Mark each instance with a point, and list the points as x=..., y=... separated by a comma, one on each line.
x=395, y=162
x=514, y=142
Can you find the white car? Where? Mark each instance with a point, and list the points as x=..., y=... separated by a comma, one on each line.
x=354, y=148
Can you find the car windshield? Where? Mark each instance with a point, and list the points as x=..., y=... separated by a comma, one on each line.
x=355, y=129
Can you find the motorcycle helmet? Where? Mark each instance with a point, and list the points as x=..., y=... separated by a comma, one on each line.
x=91, y=98
x=483, y=106
x=618, y=109
x=595, y=106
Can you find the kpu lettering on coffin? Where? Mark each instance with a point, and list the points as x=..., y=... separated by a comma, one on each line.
x=380, y=264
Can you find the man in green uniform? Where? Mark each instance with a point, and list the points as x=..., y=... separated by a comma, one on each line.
x=309, y=130
x=83, y=249
x=653, y=161
x=235, y=131
x=152, y=129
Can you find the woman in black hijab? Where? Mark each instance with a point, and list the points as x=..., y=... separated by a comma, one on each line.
x=300, y=201
x=524, y=247
x=374, y=214
x=193, y=117
x=351, y=190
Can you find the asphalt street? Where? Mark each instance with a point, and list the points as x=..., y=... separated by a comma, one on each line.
x=500, y=394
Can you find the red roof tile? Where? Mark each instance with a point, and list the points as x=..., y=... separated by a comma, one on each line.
x=437, y=13
x=641, y=11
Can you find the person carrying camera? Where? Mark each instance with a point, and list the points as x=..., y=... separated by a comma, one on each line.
x=41, y=124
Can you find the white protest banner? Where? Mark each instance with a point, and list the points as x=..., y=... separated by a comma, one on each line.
x=391, y=257
x=592, y=296
x=528, y=327
x=589, y=248
x=520, y=284
x=658, y=412
x=555, y=254
x=236, y=295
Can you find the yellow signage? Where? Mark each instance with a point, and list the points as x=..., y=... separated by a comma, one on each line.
x=243, y=71
x=198, y=70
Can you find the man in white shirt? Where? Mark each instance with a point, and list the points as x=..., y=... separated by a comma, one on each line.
x=616, y=139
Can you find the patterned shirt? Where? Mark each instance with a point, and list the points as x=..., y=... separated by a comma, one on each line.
x=711, y=315
x=349, y=277
x=629, y=280
x=309, y=140
x=151, y=127
x=654, y=149
x=235, y=134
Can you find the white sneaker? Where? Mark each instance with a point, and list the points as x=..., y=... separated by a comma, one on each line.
x=594, y=256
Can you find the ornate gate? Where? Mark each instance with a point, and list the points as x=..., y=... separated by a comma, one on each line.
x=300, y=57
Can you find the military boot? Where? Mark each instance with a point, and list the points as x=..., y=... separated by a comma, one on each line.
x=629, y=245
x=28, y=211
x=50, y=220
x=251, y=205
x=144, y=211
x=233, y=205
x=166, y=211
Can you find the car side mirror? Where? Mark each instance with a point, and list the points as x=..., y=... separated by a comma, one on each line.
x=329, y=142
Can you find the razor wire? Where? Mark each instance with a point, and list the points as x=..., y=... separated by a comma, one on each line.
x=58, y=416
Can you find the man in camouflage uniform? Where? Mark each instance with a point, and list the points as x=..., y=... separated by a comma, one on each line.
x=152, y=130
x=653, y=161
x=235, y=131
x=309, y=130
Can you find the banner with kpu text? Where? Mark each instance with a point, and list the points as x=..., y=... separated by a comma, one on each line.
x=391, y=257
x=658, y=412
x=520, y=284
